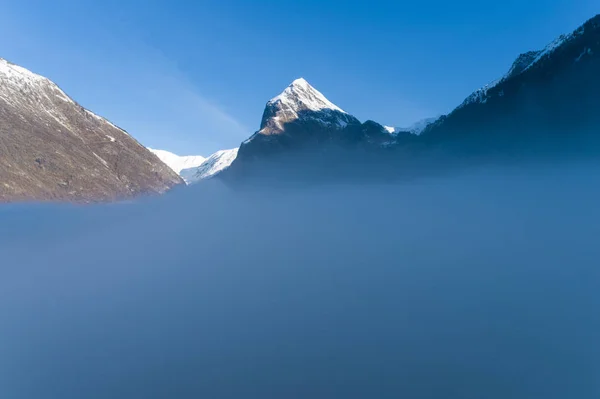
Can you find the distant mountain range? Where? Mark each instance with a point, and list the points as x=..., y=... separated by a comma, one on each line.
x=545, y=105
x=177, y=162
x=193, y=168
x=212, y=166
x=416, y=128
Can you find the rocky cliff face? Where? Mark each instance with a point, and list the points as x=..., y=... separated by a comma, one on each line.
x=52, y=149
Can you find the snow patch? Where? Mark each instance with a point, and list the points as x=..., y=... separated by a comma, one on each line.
x=103, y=120
x=16, y=80
x=586, y=51
x=550, y=48
x=177, y=162
x=418, y=127
x=24, y=76
x=300, y=97
x=100, y=159
x=61, y=95
x=249, y=139
x=300, y=94
x=60, y=120
x=481, y=94
x=11, y=70
x=215, y=164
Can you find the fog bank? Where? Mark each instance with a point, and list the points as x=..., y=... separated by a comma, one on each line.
x=475, y=286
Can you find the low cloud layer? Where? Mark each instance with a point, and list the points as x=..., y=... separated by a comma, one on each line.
x=465, y=287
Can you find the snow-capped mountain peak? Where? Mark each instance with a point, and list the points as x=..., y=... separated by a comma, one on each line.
x=301, y=101
x=194, y=168
x=300, y=95
x=17, y=79
x=10, y=70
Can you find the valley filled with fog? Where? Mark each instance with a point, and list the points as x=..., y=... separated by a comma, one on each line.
x=477, y=285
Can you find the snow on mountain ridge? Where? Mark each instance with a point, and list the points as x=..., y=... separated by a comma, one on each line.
x=479, y=95
x=523, y=63
x=178, y=162
x=55, y=149
x=302, y=101
x=416, y=128
x=301, y=93
x=103, y=120
x=213, y=165
x=552, y=46
x=16, y=77
x=9, y=69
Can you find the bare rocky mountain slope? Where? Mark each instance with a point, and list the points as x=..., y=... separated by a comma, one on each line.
x=52, y=149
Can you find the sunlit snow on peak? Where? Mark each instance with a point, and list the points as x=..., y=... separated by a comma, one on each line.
x=300, y=95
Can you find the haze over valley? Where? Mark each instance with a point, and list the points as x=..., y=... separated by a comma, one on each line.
x=324, y=256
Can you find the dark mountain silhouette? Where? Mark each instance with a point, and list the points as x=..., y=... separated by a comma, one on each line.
x=548, y=100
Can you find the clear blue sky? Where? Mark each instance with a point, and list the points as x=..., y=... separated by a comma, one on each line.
x=193, y=77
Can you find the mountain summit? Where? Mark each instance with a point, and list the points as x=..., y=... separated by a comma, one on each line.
x=300, y=95
x=302, y=101
x=301, y=118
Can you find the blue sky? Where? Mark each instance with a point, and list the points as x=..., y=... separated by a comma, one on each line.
x=193, y=77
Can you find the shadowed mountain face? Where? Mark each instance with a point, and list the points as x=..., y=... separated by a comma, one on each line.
x=301, y=118
x=545, y=107
x=302, y=121
x=52, y=149
x=549, y=100
x=300, y=102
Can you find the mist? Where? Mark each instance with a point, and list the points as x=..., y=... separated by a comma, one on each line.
x=478, y=285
